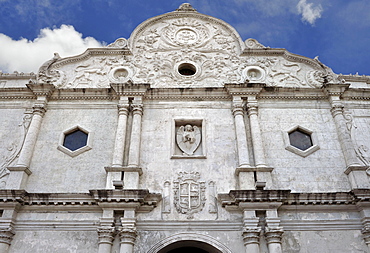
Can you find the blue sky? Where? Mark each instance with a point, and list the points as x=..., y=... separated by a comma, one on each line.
x=338, y=31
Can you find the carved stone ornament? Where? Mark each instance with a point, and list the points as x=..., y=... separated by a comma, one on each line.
x=119, y=43
x=252, y=44
x=120, y=75
x=188, y=138
x=189, y=193
x=253, y=74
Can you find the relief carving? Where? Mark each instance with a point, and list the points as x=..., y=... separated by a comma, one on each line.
x=188, y=138
x=14, y=149
x=189, y=193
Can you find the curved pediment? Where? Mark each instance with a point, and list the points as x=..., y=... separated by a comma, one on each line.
x=183, y=49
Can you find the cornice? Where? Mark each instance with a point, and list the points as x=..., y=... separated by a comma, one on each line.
x=104, y=51
x=355, y=78
x=16, y=93
x=281, y=52
x=235, y=197
x=17, y=75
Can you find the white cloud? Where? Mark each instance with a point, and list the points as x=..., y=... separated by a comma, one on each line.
x=309, y=12
x=27, y=56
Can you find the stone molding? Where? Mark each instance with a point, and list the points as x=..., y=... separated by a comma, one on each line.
x=6, y=235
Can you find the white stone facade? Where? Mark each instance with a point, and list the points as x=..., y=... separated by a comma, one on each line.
x=189, y=144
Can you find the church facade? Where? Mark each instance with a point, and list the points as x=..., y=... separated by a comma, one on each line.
x=184, y=138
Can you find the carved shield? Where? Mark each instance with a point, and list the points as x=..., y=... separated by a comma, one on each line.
x=189, y=194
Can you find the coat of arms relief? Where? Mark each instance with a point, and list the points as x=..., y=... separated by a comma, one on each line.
x=189, y=193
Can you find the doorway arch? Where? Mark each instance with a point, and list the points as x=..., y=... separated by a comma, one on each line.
x=199, y=243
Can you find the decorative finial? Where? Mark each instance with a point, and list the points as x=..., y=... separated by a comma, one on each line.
x=186, y=7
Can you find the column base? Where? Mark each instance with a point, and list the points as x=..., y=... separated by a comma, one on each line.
x=18, y=177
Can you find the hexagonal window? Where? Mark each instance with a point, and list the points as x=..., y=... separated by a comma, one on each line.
x=300, y=141
x=75, y=141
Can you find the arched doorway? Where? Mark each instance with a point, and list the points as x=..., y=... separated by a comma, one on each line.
x=189, y=246
x=189, y=242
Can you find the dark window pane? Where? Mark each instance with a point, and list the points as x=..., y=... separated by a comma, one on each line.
x=75, y=140
x=188, y=250
x=300, y=140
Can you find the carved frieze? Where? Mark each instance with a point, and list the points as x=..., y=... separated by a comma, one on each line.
x=189, y=193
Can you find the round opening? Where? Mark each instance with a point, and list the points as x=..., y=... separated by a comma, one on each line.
x=187, y=69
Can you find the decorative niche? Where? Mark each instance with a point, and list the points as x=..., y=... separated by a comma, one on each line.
x=301, y=141
x=253, y=74
x=75, y=141
x=120, y=75
x=188, y=139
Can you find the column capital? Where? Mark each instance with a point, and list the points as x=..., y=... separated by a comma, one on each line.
x=251, y=235
x=106, y=234
x=366, y=234
x=238, y=109
x=123, y=109
x=6, y=235
x=252, y=108
x=39, y=109
x=273, y=235
x=137, y=109
x=127, y=234
x=336, y=108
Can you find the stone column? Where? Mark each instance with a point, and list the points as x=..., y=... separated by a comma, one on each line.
x=20, y=172
x=131, y=178
x=114, y=173
x=241, y=135
x=25, y=155
x=6, y=237
x=127, y=232
x=258, y=150
x=251, y=232
x=119, y=144
x=354, y=169
x=273, y=231
x=366, y=234
x=106, y=237
x=106, y=231
x=251, y=238
x=134, y=152
x=273, y=237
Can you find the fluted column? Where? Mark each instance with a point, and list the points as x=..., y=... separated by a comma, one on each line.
x=119, y=144
x=258, y=150
x=6, y=237
x=106, y=237
x=241, y=136
x=251, y=238
x=273, y=238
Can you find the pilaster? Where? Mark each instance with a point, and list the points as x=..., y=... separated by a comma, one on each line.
x=19, y=173
x=355, y=171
